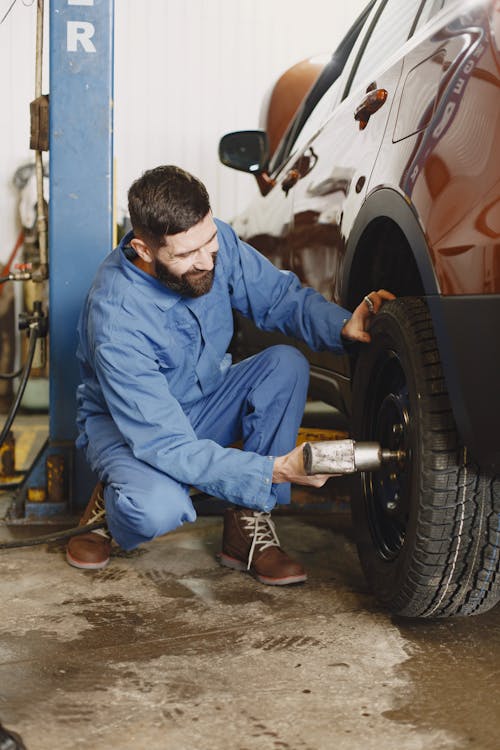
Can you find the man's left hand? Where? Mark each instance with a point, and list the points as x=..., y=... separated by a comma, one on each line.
x=356, y=329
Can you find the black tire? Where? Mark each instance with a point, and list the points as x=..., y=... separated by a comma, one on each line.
x=428, y=531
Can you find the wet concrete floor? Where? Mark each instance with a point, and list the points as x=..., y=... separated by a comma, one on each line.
x=166, y=649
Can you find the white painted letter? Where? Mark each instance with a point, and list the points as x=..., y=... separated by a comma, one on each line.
x=80, y=2
x=80, y=31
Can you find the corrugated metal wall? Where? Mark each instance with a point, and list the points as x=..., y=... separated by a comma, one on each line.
x=186, y=72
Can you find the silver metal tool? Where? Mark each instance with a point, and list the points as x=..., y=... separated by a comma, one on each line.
x=346, y=457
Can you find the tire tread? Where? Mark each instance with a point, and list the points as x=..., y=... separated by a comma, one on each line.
x=453, y=561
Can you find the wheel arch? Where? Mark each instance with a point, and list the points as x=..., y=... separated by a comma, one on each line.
x=387, y=248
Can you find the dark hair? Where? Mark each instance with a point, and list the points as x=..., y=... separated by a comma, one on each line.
x=166, y=200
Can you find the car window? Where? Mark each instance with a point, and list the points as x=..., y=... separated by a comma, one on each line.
x=320, y=91
x=430, y=9
x=318, y=116
x=392, y=29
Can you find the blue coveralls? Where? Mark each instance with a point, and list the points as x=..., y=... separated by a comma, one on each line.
x=160, y=400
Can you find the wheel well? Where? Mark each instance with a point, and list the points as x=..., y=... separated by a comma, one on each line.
x=383, y=259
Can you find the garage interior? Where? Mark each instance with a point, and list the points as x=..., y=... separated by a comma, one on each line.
x=165, y=647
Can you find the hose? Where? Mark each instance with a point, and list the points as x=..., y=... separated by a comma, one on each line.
x=55, y=537
x=22, y=386
x=11, y=375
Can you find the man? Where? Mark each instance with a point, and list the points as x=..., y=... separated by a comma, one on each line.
x=160, y=401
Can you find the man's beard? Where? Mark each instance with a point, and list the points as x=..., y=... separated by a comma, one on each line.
x=190, y=284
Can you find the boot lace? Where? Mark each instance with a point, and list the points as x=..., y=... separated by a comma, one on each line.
x=99, y=514
x=261, y=528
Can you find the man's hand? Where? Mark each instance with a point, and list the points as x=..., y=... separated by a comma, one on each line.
x=356, y=329
x=290, y=468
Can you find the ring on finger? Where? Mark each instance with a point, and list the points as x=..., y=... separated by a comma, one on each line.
x=369, y=303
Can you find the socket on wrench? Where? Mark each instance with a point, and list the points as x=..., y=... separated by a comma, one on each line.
x=347, y=456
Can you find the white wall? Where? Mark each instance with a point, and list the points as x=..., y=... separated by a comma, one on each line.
x=186, y=72
x=17, y=83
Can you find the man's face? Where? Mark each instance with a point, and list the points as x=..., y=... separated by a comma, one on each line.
x=186, y=262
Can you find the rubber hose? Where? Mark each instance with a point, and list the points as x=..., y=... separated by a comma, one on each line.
x=11, y=376
x=22, y=385
x=54, y=537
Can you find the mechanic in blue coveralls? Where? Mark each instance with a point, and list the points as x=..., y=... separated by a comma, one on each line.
x=160, y=402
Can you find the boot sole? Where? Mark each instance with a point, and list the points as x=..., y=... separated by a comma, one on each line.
x=234, y=564
x=85, y=565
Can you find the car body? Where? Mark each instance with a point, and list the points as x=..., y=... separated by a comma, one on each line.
x=389, y=176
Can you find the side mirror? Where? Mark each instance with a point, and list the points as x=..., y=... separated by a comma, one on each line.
x=245, y=150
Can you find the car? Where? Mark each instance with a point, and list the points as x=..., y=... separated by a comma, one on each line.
x=388, y=176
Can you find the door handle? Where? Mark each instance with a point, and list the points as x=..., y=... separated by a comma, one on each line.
x=370, y=104
x=300, y=169
x=290, y=179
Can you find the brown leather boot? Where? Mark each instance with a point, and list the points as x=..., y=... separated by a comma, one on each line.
x=250, y=543
x=91, y=551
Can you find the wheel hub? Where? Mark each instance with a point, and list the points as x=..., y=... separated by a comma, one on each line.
x=387, y=493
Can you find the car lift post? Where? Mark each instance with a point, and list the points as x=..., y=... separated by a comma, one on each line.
x=80, y=234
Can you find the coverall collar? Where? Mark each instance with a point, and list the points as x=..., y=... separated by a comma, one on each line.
x=163, y=297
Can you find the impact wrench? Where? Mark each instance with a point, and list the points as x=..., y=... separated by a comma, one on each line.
x=347, y=457
x=323, y=457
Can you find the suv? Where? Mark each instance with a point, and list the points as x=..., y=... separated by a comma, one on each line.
x=389, y=176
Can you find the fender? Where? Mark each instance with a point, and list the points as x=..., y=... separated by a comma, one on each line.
x=387, y=202
x=465, y=327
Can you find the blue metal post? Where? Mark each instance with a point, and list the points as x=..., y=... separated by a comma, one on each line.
x=81, y=143
x=80, y=212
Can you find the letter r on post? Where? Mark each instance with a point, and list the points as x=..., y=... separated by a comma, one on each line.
x=80, y=32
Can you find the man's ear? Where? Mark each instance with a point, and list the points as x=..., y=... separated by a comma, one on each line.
x=142, y=250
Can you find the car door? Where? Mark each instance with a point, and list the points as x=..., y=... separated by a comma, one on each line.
x=328, y=195
x=268, y=222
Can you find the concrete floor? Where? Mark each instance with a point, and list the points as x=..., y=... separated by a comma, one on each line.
x=166, y=649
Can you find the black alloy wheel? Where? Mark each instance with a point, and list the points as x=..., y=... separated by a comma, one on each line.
x=427, y=527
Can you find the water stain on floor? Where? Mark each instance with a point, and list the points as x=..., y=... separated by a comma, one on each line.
x=167, y=649
x=454, y=668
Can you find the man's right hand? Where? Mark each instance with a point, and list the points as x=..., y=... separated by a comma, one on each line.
x=290, y=468
x=356, y=328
